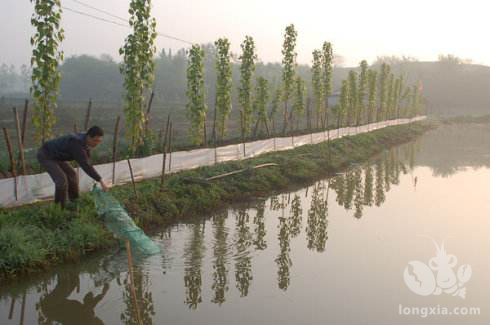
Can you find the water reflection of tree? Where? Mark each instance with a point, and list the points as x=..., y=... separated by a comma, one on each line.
x=350, y=183
x=283, y=260
x=243, y=260
x=452, y=148
x=144, y=299
x=380, y=193
x=316, y=224
x=368, y=186
x=193, y=255
x=358, y=193
x=220, y=250
x=295, y=217
x=260, y=230
x=277, y=204
x=338, y=184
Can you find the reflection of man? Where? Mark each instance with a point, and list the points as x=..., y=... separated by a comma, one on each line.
x=55, y=154
x=57, y=307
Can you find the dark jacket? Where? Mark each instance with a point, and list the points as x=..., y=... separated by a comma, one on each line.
x=71, y=147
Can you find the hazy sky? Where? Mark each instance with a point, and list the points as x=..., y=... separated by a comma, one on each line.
x=358, y=29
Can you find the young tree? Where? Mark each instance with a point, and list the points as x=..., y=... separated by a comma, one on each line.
x=299, y=100
x=196, y=104
x=276, y=101
x=327, y=58
x=45, y=61
x=344, y=103
x=260, y=104
x=396, y=96
x=288, y=69
x=383, y=90
x=372, y=75
x=363, y=83
x=223, y=86
x=247, y=69
x=390, y=96
x=407, y=99
x=415, y=100
x=138, y=68
x=316, y=82
x=353, y=98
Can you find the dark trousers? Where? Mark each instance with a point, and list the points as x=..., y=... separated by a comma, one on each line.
x=65, y=178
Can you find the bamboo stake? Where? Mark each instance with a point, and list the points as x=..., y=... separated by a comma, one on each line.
x=24, y=120
x=87, y=115
x=19, y=141
x=12, y=161
x=205, y=131
x=164, y=158
x=160, y=139
x=171, y=136
x=214, y=125
x=132, y=178
x=131, y=279
x=114, y=149
x=148, y=110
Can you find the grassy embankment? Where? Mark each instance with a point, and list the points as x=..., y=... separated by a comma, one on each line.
x=36, y=236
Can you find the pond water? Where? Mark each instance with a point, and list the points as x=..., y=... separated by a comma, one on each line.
x=332, y=253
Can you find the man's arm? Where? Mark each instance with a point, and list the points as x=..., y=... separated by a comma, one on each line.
x=80, y=156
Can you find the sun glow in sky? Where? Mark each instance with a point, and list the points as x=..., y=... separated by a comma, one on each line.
x=358, y=29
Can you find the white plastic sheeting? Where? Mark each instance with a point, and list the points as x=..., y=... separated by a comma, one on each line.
x=33, y=188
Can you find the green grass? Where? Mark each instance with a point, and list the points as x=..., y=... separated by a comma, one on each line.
x=41, y=235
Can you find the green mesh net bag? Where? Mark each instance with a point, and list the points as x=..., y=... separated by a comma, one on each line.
x=118, y=221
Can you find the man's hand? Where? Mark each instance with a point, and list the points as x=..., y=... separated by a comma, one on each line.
x=104, y=186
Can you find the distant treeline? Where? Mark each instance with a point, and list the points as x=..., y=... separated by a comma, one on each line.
x=450, y=86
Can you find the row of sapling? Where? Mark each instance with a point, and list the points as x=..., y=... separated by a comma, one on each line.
x=371, y=96
x=368, y=96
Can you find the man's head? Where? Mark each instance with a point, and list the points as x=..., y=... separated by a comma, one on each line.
x=94, y=136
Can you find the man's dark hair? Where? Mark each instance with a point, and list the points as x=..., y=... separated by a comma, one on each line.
x=95, y=131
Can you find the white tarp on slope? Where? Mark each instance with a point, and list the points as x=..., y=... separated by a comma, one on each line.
x=33, y=188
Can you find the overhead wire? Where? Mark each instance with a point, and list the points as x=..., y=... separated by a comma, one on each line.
x=86, y=14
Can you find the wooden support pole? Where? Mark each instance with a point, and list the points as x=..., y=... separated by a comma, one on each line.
x=114, y=149
x=164, y=158
x=171, y=136
x=131, y=284
x=148, y=110
x=19, y=141
x=12, y=161
x=132, y=177
x=24, y=120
